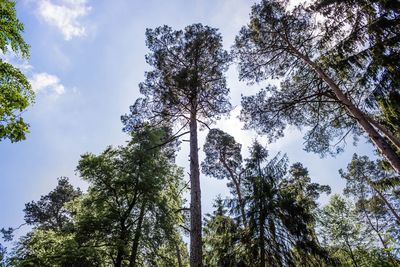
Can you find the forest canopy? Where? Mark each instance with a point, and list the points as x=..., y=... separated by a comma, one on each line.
x=327, y=68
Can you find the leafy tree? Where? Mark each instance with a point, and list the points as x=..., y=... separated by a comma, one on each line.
x=50, y=211
x=290, y=45
x=132, y=202
x=52, y=241
x=346, y=237
x=128, y=217
x=15, y=91
x=186, y=86
x=50, y=248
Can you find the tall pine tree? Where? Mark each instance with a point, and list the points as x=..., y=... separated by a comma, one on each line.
x=185, y=87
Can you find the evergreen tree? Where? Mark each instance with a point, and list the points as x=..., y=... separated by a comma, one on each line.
x=365, y=178
x=222, y=239
x=185, y=87
x=278, y=215
x=289, y=44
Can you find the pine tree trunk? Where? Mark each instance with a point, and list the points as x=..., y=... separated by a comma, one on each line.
x=138, y=232
x=385, y=131
x=262, y=238
x=178, y=255
x=387, y=203
x=195, y=196
x=238, y=191
x=384, y=148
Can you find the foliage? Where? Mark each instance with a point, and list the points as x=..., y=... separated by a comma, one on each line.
x=366, y=40
x=276, y=209
x=222, y=239
x=187, y=77
x=128, y=216
x=50, y=211
x=15, y=91
x=186, y=86
x=328, y=100
x=346, y=236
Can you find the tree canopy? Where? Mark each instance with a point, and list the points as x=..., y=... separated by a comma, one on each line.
x=15, y=90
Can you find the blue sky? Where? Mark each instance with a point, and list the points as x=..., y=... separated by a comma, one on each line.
x=87, y=58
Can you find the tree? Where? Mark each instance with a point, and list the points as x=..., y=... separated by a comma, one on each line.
x=131, y=208
x=366, y=178
x=275, y=224
x=50, y=211
x=223, y=160
x=186, y=87
x=313, y=93
x=223, y=239
x=3, y=253
x=128, y=217
x=346, y=237
x=52, y=241
x=366, y=39
x=15, y=91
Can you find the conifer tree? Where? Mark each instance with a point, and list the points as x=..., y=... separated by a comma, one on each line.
x=185, y=87
x=329, y=101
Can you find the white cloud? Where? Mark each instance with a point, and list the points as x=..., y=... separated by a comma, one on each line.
x=14, y=59
x=65, y=16
x=47, y=82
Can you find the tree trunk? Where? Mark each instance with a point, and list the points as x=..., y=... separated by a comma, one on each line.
x=351, y=253
x=120, y=246
x=262, y=238
x=382, y=196
x=384, y=148
x=195, y=196
x=236, y=183
x=178, y=255
x=136, y=239
x=395, y=141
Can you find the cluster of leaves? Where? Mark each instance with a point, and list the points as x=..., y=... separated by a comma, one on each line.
x=129, y=215
x=15, y=91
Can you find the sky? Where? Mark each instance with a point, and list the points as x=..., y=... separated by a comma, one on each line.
x=87, y=59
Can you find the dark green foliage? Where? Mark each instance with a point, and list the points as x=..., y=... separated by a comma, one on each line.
x=128, y=217
x=276, y=226
x=223, y=239
x=390, y=111
x=134, y=192
x=15, y=91
x=50, y=211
